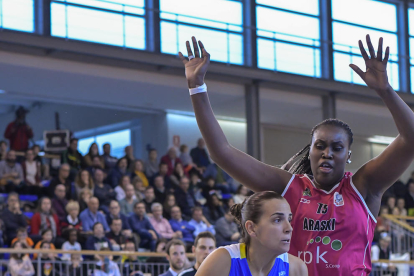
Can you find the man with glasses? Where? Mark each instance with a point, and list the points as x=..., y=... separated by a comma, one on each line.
x=142, y=226
x=115, y=213
x=62, y=178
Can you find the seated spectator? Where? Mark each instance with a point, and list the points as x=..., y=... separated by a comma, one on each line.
x=3, y=150
x=116, y=236
x=178, y=224
x=59, y=202
x=23, y=238
x=12, y=217
x=109, y=161
x=93, y=152
x=391, y=203
x=149, y=198
x=105, y=266
x=103, y=191
x=383, y=252
x=200, y=223
x=98, y=239
x=45, y=218
x=163, y=171
x=204, y=244
x=168, y=204
x=214, y=209
x=73, y=158
x=127, y=204
x=130, y=263
x=139, y=188
x=97, y=164
x=32, y=172
x=129, y=156
x=151, y=166
x=170, y=159
x=75, y=266
x=241, y=194
x=159, y=189
x=409, y=198
x=138, y=170
x=185, y=156
x=47, y=261
x=62, y=178
x=200, y=156
x=19, y=263
x=71, y=244
x=175, y=250
x=209, y=186
x=11, y=174
x=220, y=177
x=141, y=225
x=228, y=203
x=185, y=197
x=177, y=174
x=72, y=220
x=115, y=213
x=120, y=189
x=83, y=180
x=47, y=237
x=85, y=195
x=226, y=230
x=91, y=216
x=118, y=172
x=161, y=225
x=159, y=248
x=401, y=206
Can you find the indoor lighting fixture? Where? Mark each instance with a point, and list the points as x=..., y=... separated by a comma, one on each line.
x=377, y=139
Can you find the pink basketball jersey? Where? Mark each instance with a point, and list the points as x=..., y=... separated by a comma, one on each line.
x=333, y=230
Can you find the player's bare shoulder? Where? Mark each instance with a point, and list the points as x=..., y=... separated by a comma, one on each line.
x=297, y=267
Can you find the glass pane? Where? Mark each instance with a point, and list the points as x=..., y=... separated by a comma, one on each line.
x=222, y=47
x=411, y=21
x=370, y=13
x=412, y=50
x=288, y=58
x=130, y=6
x=304, y=6
x=118, y=140
x=346, y=38
x=203, y=12
x=287, y=26
x=17, y=15
x=412, y=77
x=84, y=144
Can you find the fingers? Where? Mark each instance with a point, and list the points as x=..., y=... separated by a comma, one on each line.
x=370, y=47
x=182, y=58
x=386, y=56
x=357, y=70
x=189, y=51
x=195, y=46
x=379, y=52
x=203, y=51
x=362, y=49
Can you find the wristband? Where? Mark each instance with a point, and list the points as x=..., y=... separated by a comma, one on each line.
x=198, y=89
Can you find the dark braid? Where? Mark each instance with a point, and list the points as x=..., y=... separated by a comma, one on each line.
x=302, y=166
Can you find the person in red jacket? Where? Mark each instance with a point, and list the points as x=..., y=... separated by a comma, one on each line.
x=45, y=218
x=170, y=159
x=19, y=132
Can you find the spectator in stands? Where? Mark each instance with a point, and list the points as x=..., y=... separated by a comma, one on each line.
x=138, y=170
x=409, y=198
x=177, y=174
x=19, y=263
x=71, y=244
x=72, y=220
x=127, y=204
x=129, y=156
x=185, y=197
x=209, y=186
x=31, y=171
x=383, y=251
x=83, y=180
x=131, y=263
x=45, y=218
x=178, y=224
x=241, y=194
x=85, y=195
x=149, y=198
x=47, y=261
x=220, y=177
x=36, y=151
x=228, y=203
x=199, y=155
x=97, y=163
x=115, y=213
x=109, y=161
x=175, y=250
x=159, y=189
x=118, y=236
x=159, y=248
x=98, y=239
x=3, y=150
x=401, y=206
x=11, y=173
x=168, y=204
x=170, y=159
x=120, y=188
x=73, y=157
x=75, y=266
x=62, y=178
x=204, y=244
x=163, y=171
x=161, y=225
x=118, y=172
x=93, y=152
x=91, y=216
x=105, y=266
x=104, y=192
x=226, y=230
x=214, y=208
x=19, y=132
x=185, y=157
x=391, y=203
x=141, y=225
x=139, y=188
x=12, y=217
x=59, y=202
x=151, y=166
x=23, y=238
x=200, y=223
x=47, y=237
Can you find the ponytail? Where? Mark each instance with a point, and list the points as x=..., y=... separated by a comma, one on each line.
x=299, y=166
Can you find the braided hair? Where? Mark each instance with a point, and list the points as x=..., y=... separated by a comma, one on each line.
x=300, y=162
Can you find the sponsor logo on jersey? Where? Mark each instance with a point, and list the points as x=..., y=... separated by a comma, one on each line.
x=338, y=199
x=322, y=254
x=304, y=200
x=307, y=192
x=318, y=225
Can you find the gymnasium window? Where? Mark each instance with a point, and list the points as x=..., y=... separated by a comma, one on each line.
x=350, y=24
x=288, y=37
x=17, y=15
x=411, y=33
x=114, y=22
x=217, y=23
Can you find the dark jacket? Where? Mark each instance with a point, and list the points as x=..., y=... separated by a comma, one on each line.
x=11, y=223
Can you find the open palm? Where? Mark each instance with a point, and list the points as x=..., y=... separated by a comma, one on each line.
x=376, y=67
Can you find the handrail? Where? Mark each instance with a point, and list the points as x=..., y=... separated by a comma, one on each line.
x=398, y=222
